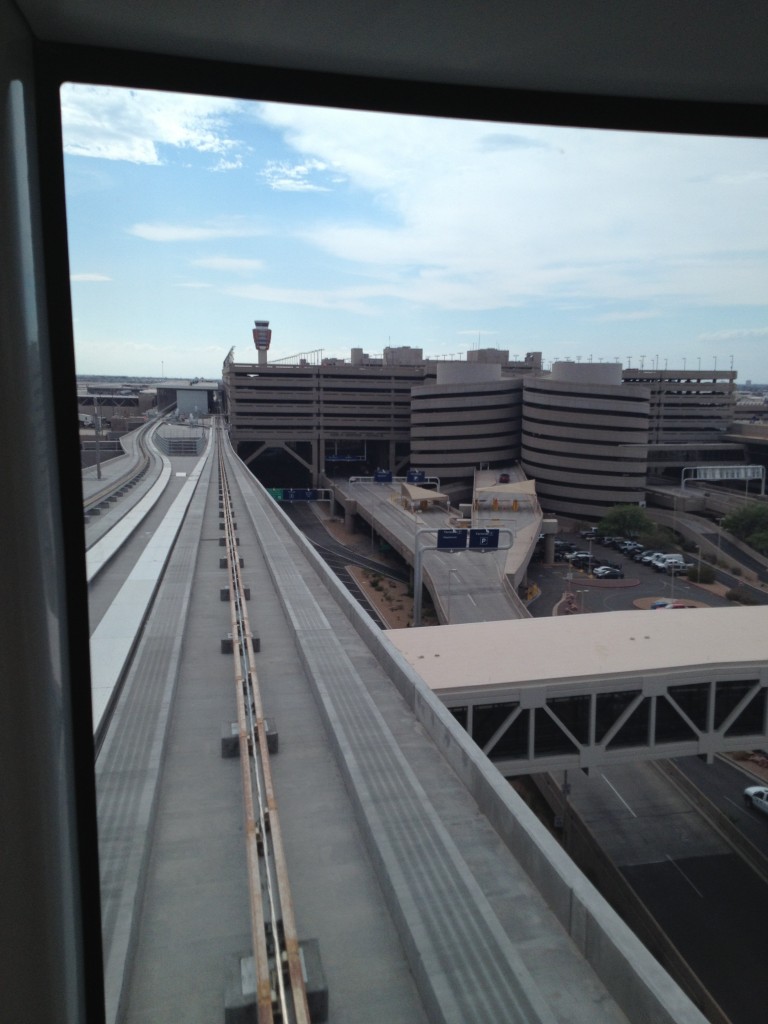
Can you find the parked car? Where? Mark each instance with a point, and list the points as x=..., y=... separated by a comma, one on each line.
x=631, y=548
x=607, y=572
x=639, y=556
x=585, y=562
x=757, y=796
x=648, y=558
x=661, y=562
x=570, y=555
x=679, y=568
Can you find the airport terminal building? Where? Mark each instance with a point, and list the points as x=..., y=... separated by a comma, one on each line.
x=590, y=434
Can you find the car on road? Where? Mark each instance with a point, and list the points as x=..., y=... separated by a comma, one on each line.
x=757, y=796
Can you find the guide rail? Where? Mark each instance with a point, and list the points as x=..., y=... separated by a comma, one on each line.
x=280, y=987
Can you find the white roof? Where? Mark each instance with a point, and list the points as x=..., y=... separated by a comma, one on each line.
x=422, y=493
x=527, y=652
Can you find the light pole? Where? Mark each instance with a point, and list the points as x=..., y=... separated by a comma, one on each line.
x=97, y=438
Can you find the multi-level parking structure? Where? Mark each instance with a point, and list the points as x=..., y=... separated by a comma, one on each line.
x=585, y=439
x=469, y=417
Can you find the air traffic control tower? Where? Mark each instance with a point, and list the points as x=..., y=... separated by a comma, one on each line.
x=262, y=339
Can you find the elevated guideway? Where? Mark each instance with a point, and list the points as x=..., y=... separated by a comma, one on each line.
x=113, y=639
x=411, y=859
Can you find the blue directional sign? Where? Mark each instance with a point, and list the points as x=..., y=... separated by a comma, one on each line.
x=416, y=476
x=452, y=539
x=382, y=476
x=483, y=538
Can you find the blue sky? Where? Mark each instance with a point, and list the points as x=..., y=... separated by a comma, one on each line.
x=191, y=217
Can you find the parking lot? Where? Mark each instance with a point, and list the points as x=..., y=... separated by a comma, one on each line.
x=640, y=588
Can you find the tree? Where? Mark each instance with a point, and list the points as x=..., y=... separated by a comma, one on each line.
x=747, y=521
x=626, y=521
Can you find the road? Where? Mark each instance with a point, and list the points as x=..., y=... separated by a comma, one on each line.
x=709, y=902
x=338, y=556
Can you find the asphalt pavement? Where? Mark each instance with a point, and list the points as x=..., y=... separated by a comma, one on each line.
x=640, y=582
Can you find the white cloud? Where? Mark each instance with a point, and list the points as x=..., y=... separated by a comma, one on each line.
x=736, y=334
x=627, y=314
x=478, y=217
x=160, y=232
x=89, y=277
x=350, y=300
x=132, y=125
x=294, y=177
x=229, y=263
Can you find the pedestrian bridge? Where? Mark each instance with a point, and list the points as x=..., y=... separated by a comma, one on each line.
x=550, y=694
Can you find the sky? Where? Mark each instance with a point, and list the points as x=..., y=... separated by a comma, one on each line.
x=190, y=217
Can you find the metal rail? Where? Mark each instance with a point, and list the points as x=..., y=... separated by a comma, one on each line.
x=280, y=988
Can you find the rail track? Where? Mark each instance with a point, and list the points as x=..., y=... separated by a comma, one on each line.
x=280, y=988
x=131, y=476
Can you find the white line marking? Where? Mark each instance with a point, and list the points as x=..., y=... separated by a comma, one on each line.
x=618, y=794
x=739, y=807
x=697, y=891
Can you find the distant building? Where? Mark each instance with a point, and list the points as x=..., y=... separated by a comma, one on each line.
x=592, y=435
x=585, y=438
x=293, y=420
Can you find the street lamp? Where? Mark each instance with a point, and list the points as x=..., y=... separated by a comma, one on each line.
x=97, y=438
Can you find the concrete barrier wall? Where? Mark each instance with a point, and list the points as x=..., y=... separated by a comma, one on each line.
x=642, y=988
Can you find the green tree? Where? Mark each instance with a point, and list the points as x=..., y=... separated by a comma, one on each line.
x=626, y=521
x=752, y=519
x=759, y=541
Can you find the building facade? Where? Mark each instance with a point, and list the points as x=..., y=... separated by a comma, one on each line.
x=585, y=438
x=592, y=435
x=470, y=416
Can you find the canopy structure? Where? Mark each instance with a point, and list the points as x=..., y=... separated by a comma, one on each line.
x=421, y=498
x=517, y=494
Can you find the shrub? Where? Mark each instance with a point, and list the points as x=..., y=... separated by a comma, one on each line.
x=702, y=574
x=741, y=595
